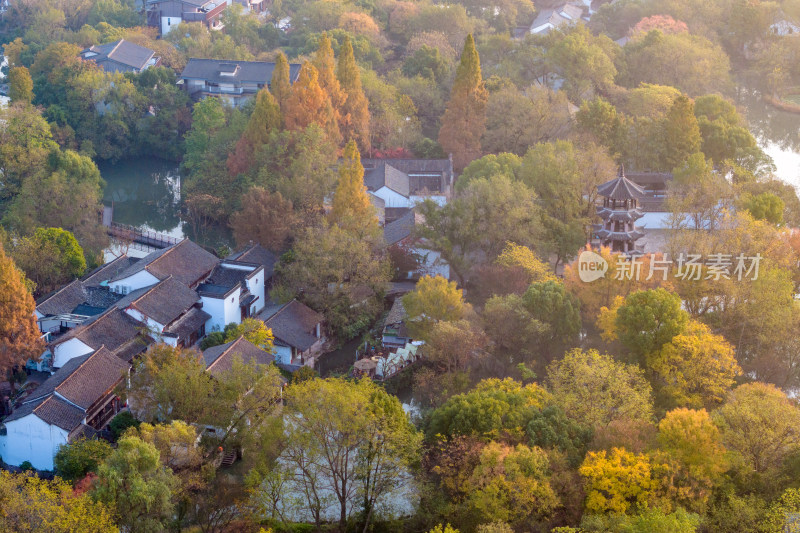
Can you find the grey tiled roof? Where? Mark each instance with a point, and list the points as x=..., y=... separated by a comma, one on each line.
x=186, y=261
x=388, y=176
x=244, y=71
x=397, y=314
x=64, y=300
x=255, y=253
x=220, y=358
x=620, y=188
x=108, y=271
x=84, y=380
x=399, y=229
x=121, y=51
x=113, y=329
x=166, y=301
x=64, y=397
x=52, y=410
x=188, y=323
x=293, y=324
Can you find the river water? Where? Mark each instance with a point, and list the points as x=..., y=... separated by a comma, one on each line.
x=777, y=132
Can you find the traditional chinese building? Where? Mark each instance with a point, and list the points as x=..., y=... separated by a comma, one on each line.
x=620, y=211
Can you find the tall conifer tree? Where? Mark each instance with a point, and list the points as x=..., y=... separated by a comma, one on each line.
x=265, y=119
x=20, y=338
x=308, y=103
x=464, y=120
x=280, y=85
x=354, y=122
x=325, y=63
x=681, y=134
x=352, y=208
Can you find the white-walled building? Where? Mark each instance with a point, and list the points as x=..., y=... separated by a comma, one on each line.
x=76, y=401
x=298, y=333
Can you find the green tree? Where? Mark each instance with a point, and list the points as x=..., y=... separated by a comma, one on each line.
x=505, y=164
x=475, y=226
x=492, y=409
x=601, y=119
x=350, y=439
x=433, y=300
x=339, y=273
x=780, y=517
x=76, y=459
x=20, y=338
x=552, y=428
x=723, y=129
x=585, y=61
x=208, y=117
x=31, y=504
x=596, y=390
x=20, y=85
x=355, y=122
x=136, y=486
x=51, y=257
x=352, y=209
x=550, y=304
x=650, y=319
x=760, y=423
x=565, y=178
x=464, y=120
x=765, y=206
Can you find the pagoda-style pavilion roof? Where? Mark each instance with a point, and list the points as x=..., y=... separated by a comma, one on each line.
x=627, y=215
x=621, y=188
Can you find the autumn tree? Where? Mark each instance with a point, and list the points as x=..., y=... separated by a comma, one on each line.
x=596, y=390
x=464, y=120
x=352, y=208
x=265, y=119
x=252, y=330
x=308, y=103
x=280, y=85
x=433, y=300
x=454, y=345
x=616, y=481
x=31, y=504
x=325, y=63
x=550, y=304
x=20, y=338
x=51, y=257
x=760, y=423
x=266, y=218
x=20, y=85
x=511, y=484
x=694, y=369
x=693, y=442
x=355, y=115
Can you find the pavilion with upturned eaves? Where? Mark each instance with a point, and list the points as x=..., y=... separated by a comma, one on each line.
x=619, y=212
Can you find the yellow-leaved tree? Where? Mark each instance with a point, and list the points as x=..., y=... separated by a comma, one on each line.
x=352, y=209
x=433, y=300
x=616, y=481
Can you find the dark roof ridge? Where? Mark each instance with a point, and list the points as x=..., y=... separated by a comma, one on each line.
x=56, y=292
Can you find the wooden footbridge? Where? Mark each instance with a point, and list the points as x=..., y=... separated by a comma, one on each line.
x=132, y=234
